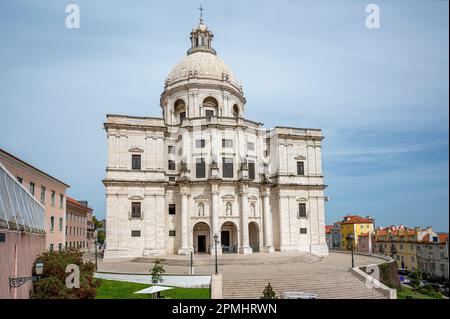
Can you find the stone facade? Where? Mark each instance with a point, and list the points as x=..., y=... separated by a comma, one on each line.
x=203, y=169
x=432, y=255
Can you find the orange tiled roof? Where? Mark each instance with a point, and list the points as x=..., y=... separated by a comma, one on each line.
x=355, y=219
x=76, y=203
x=328, y=229
x=443, y=238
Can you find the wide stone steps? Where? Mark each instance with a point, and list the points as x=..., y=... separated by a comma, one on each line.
x=342, y=285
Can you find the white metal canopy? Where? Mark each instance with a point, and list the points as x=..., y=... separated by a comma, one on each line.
x=153, y=290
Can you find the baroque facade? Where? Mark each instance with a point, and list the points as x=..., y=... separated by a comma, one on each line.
x=203, y=169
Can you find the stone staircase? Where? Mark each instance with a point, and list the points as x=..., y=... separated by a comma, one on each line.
x=339, y=285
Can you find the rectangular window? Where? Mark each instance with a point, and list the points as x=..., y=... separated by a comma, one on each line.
x=172, y=233
x=136, y=162
x=60, y=224
x=303, y=230
x=251, y=146
x=172, y=209
x=301, y=210
x=53, y=198
x=227, y=143
x=52, y=223
x=135, y=233
x=209, y=113
x=19, y=179
x=300, y=168
x=171, y=165
x=61, y=200
x=182, y=116
x=227, y=167
x=32, y=188
x=42, y=194
x=60, y=247
x=200, y=168
x=136, y=210
x=51, y=247
x=171, y=149
x=200, y=143
x=251, y=170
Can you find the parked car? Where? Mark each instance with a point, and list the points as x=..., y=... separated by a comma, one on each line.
x=402, y=272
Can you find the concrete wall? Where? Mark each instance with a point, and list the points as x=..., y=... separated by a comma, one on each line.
x=17, y=255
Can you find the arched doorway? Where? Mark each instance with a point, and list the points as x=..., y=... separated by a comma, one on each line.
x=229, y=237
x=253, y=236
x=201, y=234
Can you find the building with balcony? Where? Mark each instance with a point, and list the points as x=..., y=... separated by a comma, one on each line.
x=203, y=170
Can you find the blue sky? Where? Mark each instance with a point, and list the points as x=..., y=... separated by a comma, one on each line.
x=380, y=95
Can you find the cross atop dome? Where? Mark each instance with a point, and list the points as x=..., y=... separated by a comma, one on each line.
x=201, y=13
x=201, y=37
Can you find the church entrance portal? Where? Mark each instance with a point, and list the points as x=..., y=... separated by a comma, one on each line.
x=201, y=238
x=229, y=237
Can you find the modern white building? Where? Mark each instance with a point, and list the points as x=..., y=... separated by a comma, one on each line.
x=203, y=169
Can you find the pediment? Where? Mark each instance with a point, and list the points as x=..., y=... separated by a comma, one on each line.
x=136, y=150
x=300, y=158
x=228, y=197
x=252, y=197
x=200, y=198
x=136, y=197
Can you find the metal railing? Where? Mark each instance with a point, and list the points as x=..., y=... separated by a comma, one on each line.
x=19, y=210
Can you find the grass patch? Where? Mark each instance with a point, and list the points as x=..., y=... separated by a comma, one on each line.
x=408, y=293
x=111, y=289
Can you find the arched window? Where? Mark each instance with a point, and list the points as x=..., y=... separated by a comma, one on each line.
x=180, y=109
x=210, y=106
x=235, y=111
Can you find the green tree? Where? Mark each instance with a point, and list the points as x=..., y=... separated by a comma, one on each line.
x=416, y=280
x=157, y=271
x=268, y=292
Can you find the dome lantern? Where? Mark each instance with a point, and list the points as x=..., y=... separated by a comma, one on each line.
x=201, y=37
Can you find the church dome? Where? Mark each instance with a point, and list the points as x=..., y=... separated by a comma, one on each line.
x=202, y=64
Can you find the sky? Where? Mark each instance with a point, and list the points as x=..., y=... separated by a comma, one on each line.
x=379, y=95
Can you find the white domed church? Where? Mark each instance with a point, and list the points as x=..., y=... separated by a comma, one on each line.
x=204, y=173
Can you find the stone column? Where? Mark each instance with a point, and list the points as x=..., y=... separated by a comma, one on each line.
x=245, y=247
x=283, y=202
x=215, y=217
x=184, y=249
x=268, y=230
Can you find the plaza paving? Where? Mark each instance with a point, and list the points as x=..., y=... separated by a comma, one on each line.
x=246, y=276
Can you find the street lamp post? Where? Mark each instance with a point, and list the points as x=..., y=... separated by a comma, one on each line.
x=350, y=238
x=216, y=241
x=393, y=249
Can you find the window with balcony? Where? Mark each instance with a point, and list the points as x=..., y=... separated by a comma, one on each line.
x=200, y=168
x=251, y=170
x=300, y=168
x=136, y=162
x=227, y=167
x=171, y=165
x=136, y=210
x=301, y=210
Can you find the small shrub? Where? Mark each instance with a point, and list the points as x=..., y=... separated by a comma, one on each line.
x=268, y=292
x=52, y=282
x=157, y=271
